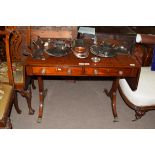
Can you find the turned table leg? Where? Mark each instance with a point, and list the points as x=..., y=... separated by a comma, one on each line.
x=112, y=95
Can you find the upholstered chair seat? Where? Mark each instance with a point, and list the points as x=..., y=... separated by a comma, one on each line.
x=143, y=98
x=6, y=92
x=145, y=93
x=6, y=89
x=17, y=72
x=6, y=98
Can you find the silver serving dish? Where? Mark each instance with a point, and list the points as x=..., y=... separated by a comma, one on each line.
x=58, y=52
x=58, y=49
x=102, y=51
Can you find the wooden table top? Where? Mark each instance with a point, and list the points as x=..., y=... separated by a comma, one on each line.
x=122, y=61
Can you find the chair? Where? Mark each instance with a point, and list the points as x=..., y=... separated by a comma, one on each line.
x=21, y=82
x=142, y=99
x=6, y=89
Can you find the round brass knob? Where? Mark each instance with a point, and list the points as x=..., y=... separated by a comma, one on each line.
x=69, y=71
x=120, y=72
x=95, y=71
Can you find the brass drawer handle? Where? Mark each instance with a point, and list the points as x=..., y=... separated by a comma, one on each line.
x=43, y=71
x=95, y=71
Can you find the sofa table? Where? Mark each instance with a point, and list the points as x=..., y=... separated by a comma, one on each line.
x=120, y=66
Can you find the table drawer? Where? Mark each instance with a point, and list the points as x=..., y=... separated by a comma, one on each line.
x=111, y=71
x=57, y=71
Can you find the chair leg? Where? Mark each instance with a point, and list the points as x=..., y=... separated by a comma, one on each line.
x=16, y=103
x=139, y=114
x=28, y=95
x=8, y=124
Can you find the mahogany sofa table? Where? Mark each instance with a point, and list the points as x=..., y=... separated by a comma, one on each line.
x=117, y=67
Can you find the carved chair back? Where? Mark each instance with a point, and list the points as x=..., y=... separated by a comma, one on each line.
x=21, y=82
x=141, y=100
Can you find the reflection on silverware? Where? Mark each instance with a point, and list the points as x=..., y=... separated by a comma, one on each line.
x=79, y=49
x=36, y=44
x=95, y=59
x=80, y=52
